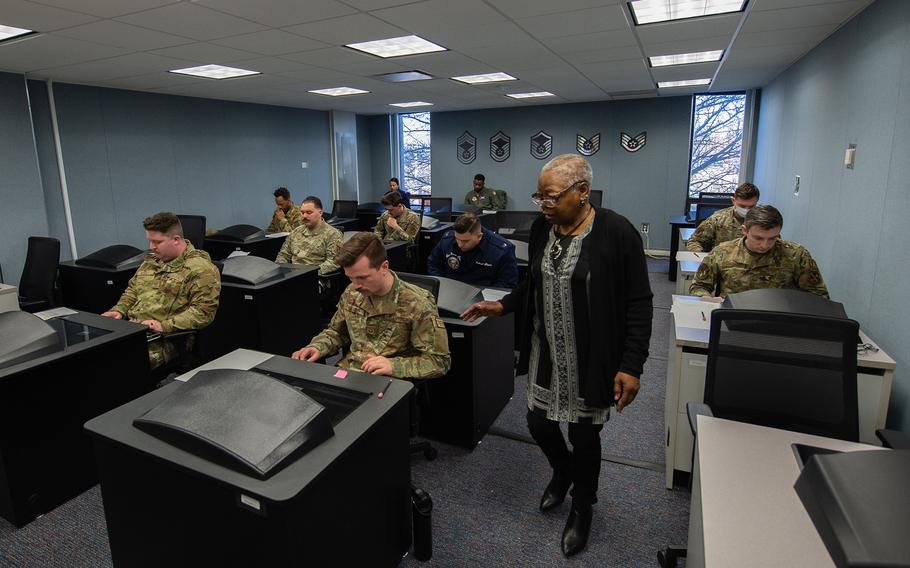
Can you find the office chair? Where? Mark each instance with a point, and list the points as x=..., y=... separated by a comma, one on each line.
x=782, y=370
x=441, y=208
x=188, y=356
x=193, y=229
x=39, y=276
x=344, y=209
x=596, y=197
x=431, y=285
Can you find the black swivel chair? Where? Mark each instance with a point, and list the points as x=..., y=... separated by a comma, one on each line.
x=782, y=370
x=39, y=276
x=193, y=229
x=431, y=285
x=344, y=209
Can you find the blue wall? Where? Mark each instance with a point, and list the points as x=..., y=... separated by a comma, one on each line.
x=129, y=154
x=853, y=88
x=646, y=186
x=21, y=199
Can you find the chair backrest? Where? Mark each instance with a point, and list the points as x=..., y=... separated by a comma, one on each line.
x=428, y=283
x=784, y=370
x=193, y=229
x=40, y=272
x=344, y=209
x=441, y=208
x=597, y=197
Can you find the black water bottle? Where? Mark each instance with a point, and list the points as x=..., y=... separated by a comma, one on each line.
x=422, y=509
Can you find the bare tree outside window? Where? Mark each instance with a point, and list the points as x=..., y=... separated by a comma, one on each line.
x=415, y=155
x=717, y=143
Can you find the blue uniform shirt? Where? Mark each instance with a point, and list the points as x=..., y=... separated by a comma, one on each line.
x=491, y=263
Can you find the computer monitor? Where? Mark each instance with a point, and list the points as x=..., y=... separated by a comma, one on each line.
x=25, y=336
x=705, y=210
x=344, y=209
x=514, y=224
x=456, y=296
x=252, y=270
x=240, y=233
x=785, y=300
x=113, y=257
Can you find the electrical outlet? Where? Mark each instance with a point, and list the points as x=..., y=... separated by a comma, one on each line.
x=645, y=227
x=304, y=165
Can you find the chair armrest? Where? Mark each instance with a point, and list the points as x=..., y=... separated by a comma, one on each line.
x=894, y=439
x=694, y=410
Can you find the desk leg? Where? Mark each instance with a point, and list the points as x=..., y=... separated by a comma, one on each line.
x=674, y=245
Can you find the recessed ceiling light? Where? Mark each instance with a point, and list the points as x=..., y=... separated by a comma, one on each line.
x=397, y=46
x=215, y=72
x=405, y=76
x=686, y=58
x=411, y=104
x=338, y=91
x=9, y=32
x=530, y=95
x=689, y=83
x=651, y=11
x=485, y=78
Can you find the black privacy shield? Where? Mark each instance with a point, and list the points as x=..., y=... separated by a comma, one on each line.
x=239, y=419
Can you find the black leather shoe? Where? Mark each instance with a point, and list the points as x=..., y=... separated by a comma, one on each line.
x=555, y=493
x=578, y=528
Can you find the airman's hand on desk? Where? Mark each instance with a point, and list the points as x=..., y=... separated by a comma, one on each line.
x=625, y=387
x=306, y=354
x=153, y=325
x=113, y=314
x=393, y=223
x=377, y=365
x=482, y=309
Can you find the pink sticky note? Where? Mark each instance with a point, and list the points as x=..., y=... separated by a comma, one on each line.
x=341, y=373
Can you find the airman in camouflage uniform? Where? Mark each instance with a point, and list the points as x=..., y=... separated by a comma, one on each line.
x=408, y=227
x=182, y=294
x=760, y=259
x=312, y=246
x=286, y=217
x=403, y=326
x=722, y=226
x=486, y=197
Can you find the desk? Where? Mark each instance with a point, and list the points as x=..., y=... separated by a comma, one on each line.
x=93, y=289
x=45, y=459
x=9, y=298
x=744, y=510
x=688, y=359
x=344, y=503
x=265, y=247
x=467, y=400
x=677, y=222
x=278, y=316
x=342, y=225
x=686, y=267
x=426, y=241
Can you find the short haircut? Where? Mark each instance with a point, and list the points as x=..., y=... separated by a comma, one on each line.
x=361, y=244
x=165, y=222
x=747, y=191
x=763, y=217
x=570, y=167
x=480, y=177
x=467, y=223
x=395, y=180
x=317, y=203
x=392, y=199
x=282, y=192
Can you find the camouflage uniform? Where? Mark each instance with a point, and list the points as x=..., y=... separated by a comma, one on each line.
x=316, y=246
x=402, y=326
x=732, y=268
x=181, y=294
x=291, y=220
x=408, y=227
x=720, y=227
x=487, y=198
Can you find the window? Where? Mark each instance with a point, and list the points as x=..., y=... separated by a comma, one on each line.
x=718, y=123
x=414, y=155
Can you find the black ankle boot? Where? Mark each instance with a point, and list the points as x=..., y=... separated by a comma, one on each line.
x=555, y=493
x=578, y=528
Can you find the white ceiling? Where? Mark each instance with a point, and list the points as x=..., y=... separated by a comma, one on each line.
x=581, y=50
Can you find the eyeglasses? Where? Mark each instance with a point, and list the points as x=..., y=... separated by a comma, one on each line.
x=539, y=199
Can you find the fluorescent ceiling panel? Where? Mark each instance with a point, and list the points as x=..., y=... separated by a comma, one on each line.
x=651, y=11
x=9, y=32
x=530, y=95
x=411, y=104
x=485, y=78
x=338, y=91
x=397, y=46
x=688, y=83
x=215, y=72
x=686, y=58
x=405, y=76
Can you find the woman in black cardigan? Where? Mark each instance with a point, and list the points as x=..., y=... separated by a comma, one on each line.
x=584, y=312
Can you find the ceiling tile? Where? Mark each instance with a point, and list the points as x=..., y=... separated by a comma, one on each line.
x=149, y=81
x=579, y=22
x=600, y=55
x=205, y=53
x=516, y=56
x=348, y=29
x=110, y=32
x=684, y=72
x=128, y=65
x=445, y=64
x=434, y=16
x=31, y=16
x=527, y=8
x=587, y=42
x=762, y=5
x=618, y=75
x=480, y=34
x=812, y=35
x=805, y=16
x=271, y=42
x=781, y=55
x=191, y=20
x=687, y=46
x=46, y=50
x=330, y=56
x=711, y=26
x=108, y=8
x=280, y=13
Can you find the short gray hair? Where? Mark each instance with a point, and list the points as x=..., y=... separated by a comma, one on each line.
x=570, y=167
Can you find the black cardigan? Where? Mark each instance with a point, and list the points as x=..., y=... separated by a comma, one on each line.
x=620, y=303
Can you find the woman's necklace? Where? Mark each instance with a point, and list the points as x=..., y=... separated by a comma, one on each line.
x=556, y=249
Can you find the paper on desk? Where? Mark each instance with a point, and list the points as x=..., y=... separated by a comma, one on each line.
x=237, y=253
x=55, y=313
x=276, y=235
x=693, y=313
x=689, y=256
x=488, y=211
x=492, y=295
